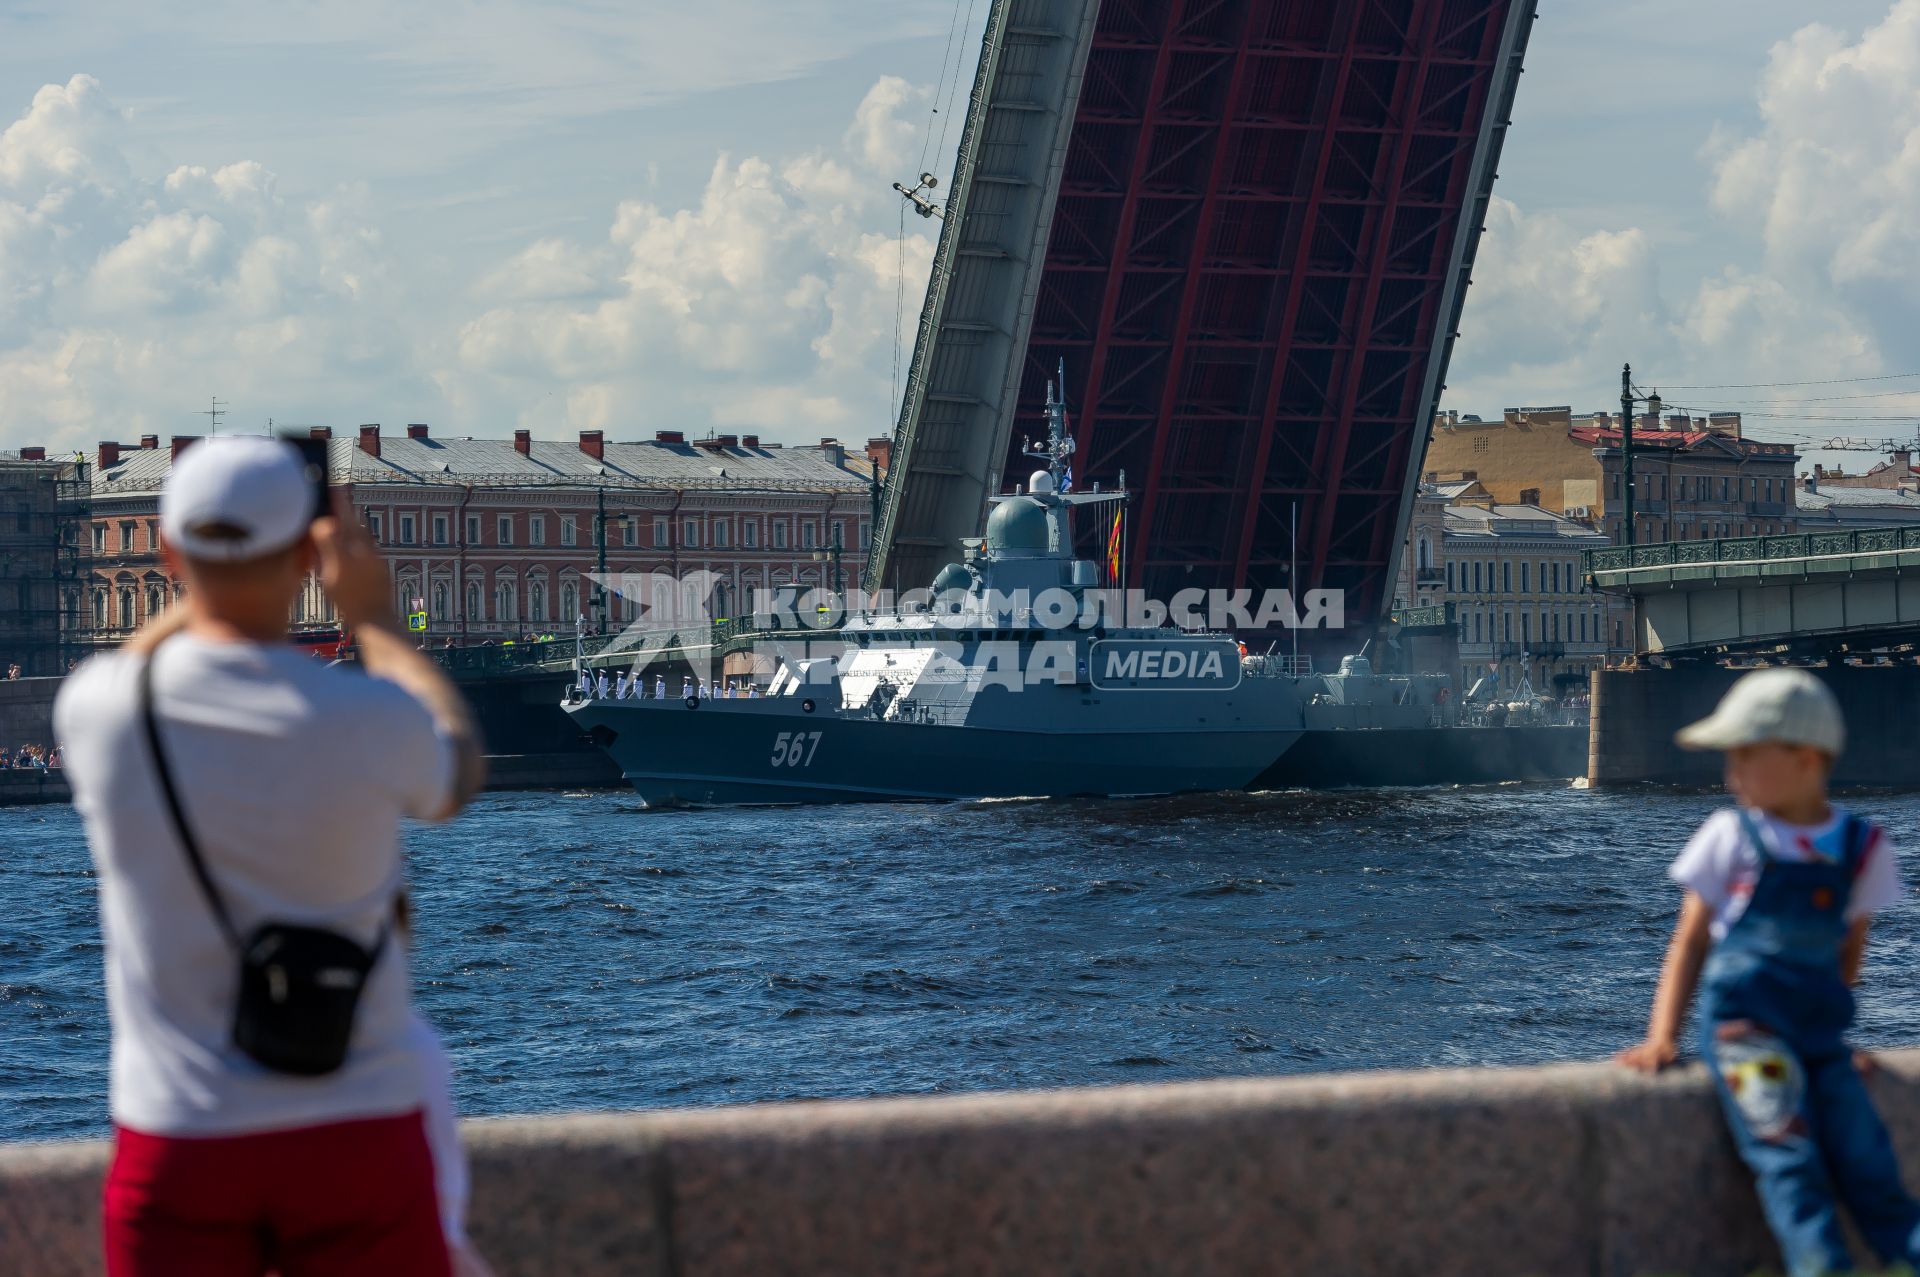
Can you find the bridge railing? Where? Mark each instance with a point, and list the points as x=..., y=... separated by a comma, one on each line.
x=1796, y=545
x=506, y=658
x=1434, y=616
x=502, y=658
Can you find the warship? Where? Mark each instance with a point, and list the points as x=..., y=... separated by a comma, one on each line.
x=1011, y=680
x=993, y=688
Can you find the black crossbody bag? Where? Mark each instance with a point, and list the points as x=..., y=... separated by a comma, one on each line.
x=299, y=986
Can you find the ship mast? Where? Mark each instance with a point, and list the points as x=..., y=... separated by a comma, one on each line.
x=1057, y=451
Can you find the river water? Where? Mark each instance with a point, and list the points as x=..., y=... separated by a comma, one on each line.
x=580, y=952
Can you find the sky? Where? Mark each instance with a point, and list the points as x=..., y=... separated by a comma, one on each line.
x=635, y=216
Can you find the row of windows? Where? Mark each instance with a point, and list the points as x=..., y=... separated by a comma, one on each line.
x=1554, y=576
x=1686, y=530
x=505, y=601
x=1549, y=625
x=405, y=529
x=127, y=541
x=1701, y=487
x=120, y=608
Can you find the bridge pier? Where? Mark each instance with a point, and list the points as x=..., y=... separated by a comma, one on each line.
x=1636, y=712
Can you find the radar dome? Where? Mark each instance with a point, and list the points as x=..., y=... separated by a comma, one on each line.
x=952, y=577
x=1018, y=523
x=1041, y=482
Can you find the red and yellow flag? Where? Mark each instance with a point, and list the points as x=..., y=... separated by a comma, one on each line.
x=1113, y=546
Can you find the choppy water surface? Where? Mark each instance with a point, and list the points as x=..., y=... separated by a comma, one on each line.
x=578, y=951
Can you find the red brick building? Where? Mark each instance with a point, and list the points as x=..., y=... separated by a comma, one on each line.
x=497, y=538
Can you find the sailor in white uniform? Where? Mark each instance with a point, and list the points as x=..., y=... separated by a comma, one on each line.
x=659, y=687
x=600, y=685
x=620, y=686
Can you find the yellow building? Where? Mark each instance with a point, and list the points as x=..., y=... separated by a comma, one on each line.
x=1694, y=477
x=1531, y=451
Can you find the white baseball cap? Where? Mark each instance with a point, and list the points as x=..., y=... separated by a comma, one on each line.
x=236, y=498
x=1790, y=707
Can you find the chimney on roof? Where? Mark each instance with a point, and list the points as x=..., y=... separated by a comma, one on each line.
x=749, y=441
x=669, y=436
x=417, y=430
x=180, y=444
x=33, y=453
x=880, y=452
x=523, y=442
x=149, y=441
x=594, y=444
x=1811, y=482
x=728, y=441
x=370, y=439
x=832, y=451
x=109, y=454
x=319, y=432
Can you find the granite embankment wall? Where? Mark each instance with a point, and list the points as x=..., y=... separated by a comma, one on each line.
x=1576, y=1169
x=1636, y=713
x=26, y=711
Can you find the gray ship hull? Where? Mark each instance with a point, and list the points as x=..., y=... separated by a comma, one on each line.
x=768, y=751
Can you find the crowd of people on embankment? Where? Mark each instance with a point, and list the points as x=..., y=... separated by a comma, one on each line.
x=31, y=758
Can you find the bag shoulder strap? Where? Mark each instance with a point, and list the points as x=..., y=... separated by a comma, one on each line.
x=178, y=814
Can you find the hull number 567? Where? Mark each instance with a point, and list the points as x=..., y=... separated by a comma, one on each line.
x=795, y=749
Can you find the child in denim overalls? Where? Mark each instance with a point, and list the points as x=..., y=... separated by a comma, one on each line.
x=1780, y=891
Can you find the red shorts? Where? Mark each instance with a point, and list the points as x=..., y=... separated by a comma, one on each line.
x=345, y=1198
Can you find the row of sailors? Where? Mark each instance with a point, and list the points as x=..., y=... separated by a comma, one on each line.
x=593, y=684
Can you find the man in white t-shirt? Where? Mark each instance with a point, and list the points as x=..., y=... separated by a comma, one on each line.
x=291, y=780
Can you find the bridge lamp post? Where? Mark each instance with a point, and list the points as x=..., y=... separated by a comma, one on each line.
x=832, y=554
x=600, y=521
x=1627, y=400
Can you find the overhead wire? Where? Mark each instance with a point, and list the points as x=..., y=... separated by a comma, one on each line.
x=926, y=141
x=1776, y=385
x=926, y=145
x=953, y=83
x=946, y=90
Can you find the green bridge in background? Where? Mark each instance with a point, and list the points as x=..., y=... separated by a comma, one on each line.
x=1840, y=592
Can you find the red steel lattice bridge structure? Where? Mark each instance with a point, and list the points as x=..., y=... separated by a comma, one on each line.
x=1247, y=228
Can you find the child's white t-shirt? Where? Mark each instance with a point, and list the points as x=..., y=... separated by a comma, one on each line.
x=1719, y=865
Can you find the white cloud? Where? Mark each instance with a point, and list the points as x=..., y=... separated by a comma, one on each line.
x=129, y=292
x=882, y=134
x=1810, y=265
x=769, y=303
x=124, y=298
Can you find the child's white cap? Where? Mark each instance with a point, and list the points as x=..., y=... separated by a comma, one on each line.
x=1789, y=707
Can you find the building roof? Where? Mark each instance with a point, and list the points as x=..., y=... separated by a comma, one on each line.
x=498, y=463
x=1603, y=436
x=1497, y=521
x=1680, y=441
x=1892, y=498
